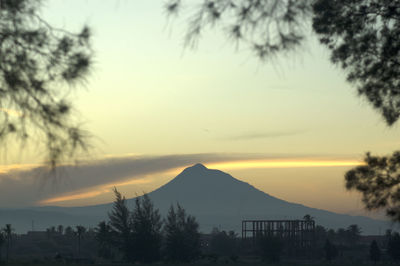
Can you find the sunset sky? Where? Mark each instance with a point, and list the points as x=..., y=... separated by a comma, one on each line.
x=291, y=127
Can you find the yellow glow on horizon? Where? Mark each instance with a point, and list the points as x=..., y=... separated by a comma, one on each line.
x=78, y=196
x=21, y=167
x=245, y=164
x=91, y=194
x=129, y=182
x=283, y=164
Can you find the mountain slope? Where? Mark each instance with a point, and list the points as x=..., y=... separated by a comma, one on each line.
x=218, y=199
x=214, y=197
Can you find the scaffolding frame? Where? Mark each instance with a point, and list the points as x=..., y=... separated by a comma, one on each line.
x=298, y=233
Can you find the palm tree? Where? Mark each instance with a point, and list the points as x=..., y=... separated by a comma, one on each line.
x=60, y=229
x=8, y=234
x=80, y=230
x=308, y=218
x=2, y=240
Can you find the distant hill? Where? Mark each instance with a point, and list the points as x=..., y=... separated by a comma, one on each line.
x=216, y=199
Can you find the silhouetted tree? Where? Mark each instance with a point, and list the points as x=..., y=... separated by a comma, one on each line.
x=341, y=235
x=182, y=238
x=353, y=233
x=330, y=234
x=69, y=231
x=394, y=246
x=50, y=232
x=79, y=232
x=37, y=59
x=2, y=241
x=105, y=239
x=379, y=183
x=374, y=252
x=308, y=218
x=320, y=234
x=8, y=230
x=270, y=248
x=60, y=229
x=120, y=225
x=364, y=38
x=223, y=243
x=146, y=230
x=331, y=251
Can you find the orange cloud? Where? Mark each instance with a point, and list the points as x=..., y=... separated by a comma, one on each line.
x=19, y=167
x=129, y=182
x=78, y=196
x=91, y=194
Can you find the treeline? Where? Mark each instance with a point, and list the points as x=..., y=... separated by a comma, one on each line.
x=137, y=235
x=346, y=242
x=55, y=243
x=342, y=236
x=142, y=235
x=5, y=239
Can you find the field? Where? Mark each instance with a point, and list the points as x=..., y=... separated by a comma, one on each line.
x=292, y=263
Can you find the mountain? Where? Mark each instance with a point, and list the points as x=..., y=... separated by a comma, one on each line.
x=216, y=199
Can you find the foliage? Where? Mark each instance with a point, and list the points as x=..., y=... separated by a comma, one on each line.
x=364, y=38
x=331, y=251
x=353, y=233
x=69, y=232
x=51, y=231
x=60, y=229
x=105, y=239
x=344, y=237
x=308, y=218
x=270, y=248
x=137, y=234
x=374, y=252
x=320, y=233
x=394, y=246
x=2, y=241
x=223, y=243
x=8, y=231
x=267, y=27
x=182, y=238
x=120, y=224
x=79, y=232
x=330, y=233
x=37, y=61
x=146, y=230
x=379, y=182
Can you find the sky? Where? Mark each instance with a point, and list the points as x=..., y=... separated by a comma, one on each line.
x=291, y=126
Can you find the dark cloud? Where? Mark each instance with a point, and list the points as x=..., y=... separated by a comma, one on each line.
x=20, y=188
